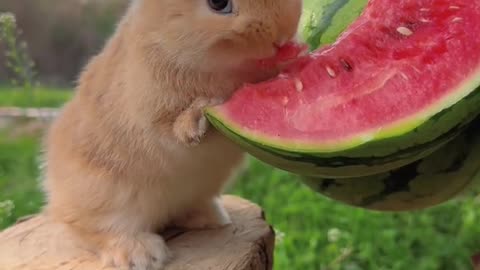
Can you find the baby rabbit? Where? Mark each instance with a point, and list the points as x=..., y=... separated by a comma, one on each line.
x=131, y=153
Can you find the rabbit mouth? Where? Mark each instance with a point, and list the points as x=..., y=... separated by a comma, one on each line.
x=285, y=53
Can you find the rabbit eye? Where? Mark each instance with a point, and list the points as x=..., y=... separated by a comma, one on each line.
x=221, y=6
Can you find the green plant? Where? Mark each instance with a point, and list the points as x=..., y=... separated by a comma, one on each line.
x=18, y=60
x=20, y=192
x=6, y=208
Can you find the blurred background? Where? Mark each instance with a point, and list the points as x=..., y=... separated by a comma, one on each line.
x=41, y=55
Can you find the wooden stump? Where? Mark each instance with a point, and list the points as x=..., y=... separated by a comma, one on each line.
x=247, y=244
x=476, y=261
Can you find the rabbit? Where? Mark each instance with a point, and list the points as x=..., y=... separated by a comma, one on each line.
x=132, y=152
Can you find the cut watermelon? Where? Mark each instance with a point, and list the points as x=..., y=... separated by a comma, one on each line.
x=399, y=83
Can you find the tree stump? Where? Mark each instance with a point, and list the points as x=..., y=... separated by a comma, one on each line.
x=476, y=261
x=39, y=244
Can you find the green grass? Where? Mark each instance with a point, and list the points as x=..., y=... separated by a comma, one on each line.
x=443, y=237
x=18, y=178
x=19, y=191
x=43, y=97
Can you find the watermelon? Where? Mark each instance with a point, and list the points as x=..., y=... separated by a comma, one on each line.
x=425, y=183
x=397, y=85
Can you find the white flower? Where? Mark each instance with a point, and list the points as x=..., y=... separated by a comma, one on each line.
x=7, y=18
x=334, y=235
x=279, y=235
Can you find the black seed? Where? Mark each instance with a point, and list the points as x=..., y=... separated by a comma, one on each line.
x=413, y=25
x=346, y=65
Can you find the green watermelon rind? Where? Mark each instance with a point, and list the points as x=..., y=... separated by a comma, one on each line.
x=342, y=166
x=460, y=171
x=322, y=22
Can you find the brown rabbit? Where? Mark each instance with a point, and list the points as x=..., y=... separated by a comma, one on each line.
x=124, y=159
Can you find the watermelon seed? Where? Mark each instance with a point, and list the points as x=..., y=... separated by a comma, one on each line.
x=453, y=7
x=346, y=65
x=404, y=31
x=331, y=72
x=457, y=19
x=424, y=9
x=285, y=101
x=425, y=20
x=298, y=85
x=404, y=76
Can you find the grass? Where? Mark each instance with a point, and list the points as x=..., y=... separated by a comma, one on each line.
x=43, y=97
x=313, y=232
x=322, y=234
x=18, y=178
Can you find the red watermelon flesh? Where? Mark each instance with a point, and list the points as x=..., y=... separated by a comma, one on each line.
x=398, y=62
